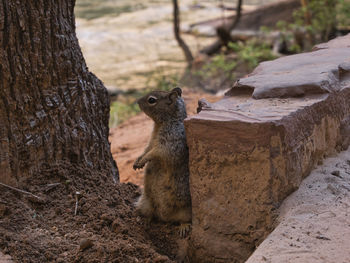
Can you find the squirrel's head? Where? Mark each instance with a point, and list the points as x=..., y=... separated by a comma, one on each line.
x=163, y=106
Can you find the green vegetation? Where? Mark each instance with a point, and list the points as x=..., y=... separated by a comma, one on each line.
x=343, y=14
x=162, y=82
x=252, y=52
x=322, y=17
x=219, y=65
x=315, y=22
x=216, y=73
x=91, y=9
x=221, y=70
x=121, y=111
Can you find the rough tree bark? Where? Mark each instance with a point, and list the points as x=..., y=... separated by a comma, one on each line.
x=52, y=109
x=186, y=50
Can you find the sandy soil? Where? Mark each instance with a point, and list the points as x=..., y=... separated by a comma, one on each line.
x=130, y=138
x=314, y=220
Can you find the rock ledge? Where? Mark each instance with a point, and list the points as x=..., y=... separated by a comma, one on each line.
x=248, y=155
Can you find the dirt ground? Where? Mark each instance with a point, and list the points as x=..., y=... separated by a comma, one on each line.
x=106, y=227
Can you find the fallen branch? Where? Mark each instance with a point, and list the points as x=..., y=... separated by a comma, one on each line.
x=54, y=184
x=49, y=187
x=20, y=191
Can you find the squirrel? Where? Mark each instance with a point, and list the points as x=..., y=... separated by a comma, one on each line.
x=166, y=193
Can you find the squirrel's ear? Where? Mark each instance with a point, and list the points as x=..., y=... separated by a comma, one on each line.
x=174, y=94
x=177, y=90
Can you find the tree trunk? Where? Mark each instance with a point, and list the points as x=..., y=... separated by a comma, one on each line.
x=224, y=33
x=52, y=109
x=186, y=50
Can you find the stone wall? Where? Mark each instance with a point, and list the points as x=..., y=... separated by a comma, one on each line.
x=250, y=150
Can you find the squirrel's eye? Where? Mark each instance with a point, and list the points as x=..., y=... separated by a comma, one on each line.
x=152, y=100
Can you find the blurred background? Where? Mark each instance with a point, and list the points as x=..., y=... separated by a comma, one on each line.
x=131, y=45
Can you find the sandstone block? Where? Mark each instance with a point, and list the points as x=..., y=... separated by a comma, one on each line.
x=247, y=155
x=322, y=71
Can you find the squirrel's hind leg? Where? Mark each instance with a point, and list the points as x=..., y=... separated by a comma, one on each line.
x=181, y=215
x=144, y=206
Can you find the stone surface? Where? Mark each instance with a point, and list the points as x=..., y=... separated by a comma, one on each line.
x=248, y=155
x=314, y=221
x=340, y=42
x=321, y=71
x=5, y=258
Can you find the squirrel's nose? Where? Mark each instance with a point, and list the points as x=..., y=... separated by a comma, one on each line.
x=137, y=101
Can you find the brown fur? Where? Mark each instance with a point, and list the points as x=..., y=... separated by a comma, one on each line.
x=166, y=194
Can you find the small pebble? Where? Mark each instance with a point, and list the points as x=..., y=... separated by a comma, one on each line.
x=85, y=244
x=336, y=173
x=323, y=238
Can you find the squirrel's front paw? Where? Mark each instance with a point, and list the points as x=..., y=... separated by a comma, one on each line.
x=138, y=164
